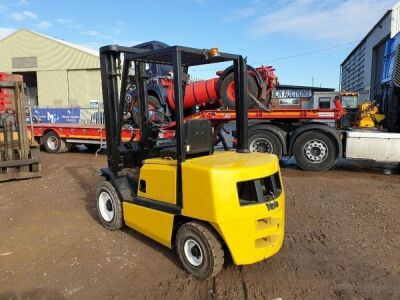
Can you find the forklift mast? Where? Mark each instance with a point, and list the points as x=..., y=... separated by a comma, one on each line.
x=179, y=58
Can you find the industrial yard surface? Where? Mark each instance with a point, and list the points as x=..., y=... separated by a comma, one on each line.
x=342, y=241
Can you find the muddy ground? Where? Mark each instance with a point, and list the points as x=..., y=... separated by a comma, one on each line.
x=342, y=241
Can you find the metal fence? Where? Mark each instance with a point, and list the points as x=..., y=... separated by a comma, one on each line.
x=91, y=116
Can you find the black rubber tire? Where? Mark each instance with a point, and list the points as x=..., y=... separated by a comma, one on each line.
x=251, y=85
x=117, y=222
x=51, y=135
x=265, y=136
x=65, y=147
x=304, y=162
x=210, y=245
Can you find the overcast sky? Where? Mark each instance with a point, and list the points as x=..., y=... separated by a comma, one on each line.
x=302, y=39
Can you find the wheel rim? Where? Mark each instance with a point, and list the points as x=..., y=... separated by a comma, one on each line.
x=261, y=145
x=316, y=151
x=193, y=252
x=52, y=143
x=230, y=91
x=106, y=207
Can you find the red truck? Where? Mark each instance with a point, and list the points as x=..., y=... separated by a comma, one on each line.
x=284, y=132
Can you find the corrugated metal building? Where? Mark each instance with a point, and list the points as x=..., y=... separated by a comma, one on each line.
x=57, y=73
x=362, y=69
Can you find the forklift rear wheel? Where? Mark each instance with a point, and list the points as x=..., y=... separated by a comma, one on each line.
x=109, y=207
x=199, y=250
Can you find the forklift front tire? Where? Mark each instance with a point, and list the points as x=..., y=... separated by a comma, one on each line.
x=109, y=207
x=199, y=249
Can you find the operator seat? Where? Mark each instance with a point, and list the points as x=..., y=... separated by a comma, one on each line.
x=197, y=138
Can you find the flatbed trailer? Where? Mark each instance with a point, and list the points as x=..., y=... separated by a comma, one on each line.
x=58, y=138
x=276, y=114
x=301, y=133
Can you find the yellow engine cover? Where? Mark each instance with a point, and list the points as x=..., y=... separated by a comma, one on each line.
x=252, y=232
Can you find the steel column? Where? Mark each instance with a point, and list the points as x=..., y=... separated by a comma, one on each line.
x=110, y=100
x=141, y=95
x=240, y=77
x=179, y=134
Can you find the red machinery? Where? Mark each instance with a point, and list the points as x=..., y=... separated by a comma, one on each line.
x=197, y=93
x=7, y=95
x=261, y=81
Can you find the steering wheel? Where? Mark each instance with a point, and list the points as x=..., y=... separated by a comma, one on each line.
x=158, y=118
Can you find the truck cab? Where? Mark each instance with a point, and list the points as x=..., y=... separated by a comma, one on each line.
x=325, y=100
x=152, y=69
x=155, y=73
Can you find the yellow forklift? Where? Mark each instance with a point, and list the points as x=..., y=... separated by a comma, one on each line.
x=206, y=205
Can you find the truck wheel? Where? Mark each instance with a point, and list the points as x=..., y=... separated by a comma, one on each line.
x=314, y=151
x=52, y=142
x=65, y=147
x=109, y=207
x=227, y=90
x=199, y=250
x=265, y=142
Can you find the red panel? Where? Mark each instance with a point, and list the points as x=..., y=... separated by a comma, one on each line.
x=87, y=132
x=10, y=77
x=276, y=114
x=7, y=96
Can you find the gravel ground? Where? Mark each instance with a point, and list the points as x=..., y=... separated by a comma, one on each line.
x=342, y=241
